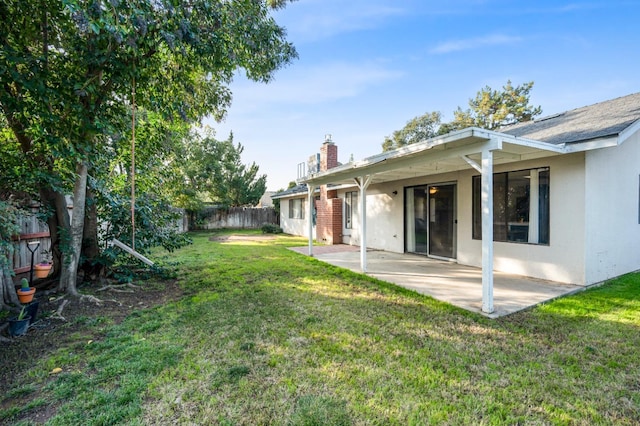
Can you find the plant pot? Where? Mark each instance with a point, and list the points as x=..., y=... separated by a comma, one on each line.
x=42, y=270
x=32, y=310
x=18, y=327
x=26, y=296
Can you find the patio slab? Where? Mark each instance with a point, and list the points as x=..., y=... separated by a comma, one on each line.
x=446, y=281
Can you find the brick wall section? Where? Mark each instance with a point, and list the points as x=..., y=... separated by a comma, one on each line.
x=328, y=156
x=329, y=207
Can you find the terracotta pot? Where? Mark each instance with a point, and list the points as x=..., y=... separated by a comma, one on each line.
x=26, y=296
x=42, y=270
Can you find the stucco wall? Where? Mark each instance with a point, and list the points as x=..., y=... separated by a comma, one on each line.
x=612, y=229
x=294, y=226
x=563, y=259
x=384, y=218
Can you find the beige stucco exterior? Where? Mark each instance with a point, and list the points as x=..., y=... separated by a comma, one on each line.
x=594, y=215
x=612, y=204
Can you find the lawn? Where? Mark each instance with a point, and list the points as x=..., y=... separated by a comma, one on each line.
x=265, y=335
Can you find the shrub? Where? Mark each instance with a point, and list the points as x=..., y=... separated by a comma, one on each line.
x=270, y=228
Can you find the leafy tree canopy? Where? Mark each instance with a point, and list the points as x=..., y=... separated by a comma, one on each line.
x=417, y=129
x=493, y=109
x=71, y=69
x=490, y=109
x=212, y=170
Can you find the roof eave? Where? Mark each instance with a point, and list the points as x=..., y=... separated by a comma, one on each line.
x=369, y=164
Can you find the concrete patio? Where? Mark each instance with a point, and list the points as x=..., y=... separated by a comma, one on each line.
x=446, y=281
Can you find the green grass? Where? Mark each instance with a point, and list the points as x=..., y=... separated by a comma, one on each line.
x=268, y=336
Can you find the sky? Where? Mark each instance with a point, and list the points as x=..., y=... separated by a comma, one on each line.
x=366, y=67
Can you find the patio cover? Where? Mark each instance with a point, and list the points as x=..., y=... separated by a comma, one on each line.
x=472, y=147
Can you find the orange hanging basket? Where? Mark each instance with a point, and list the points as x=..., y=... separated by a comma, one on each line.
x=26, y=296
x=42, y=270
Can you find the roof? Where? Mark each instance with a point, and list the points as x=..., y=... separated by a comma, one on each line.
x=604, y=119
x=597, y=126
x=298, y=189
x=447, y=153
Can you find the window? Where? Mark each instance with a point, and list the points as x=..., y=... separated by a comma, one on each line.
x=520, y=206
x=297, y=208
x=350, y=203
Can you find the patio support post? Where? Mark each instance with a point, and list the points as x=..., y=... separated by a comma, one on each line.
x=311, y=190
x=487, y=230
x=363, y=183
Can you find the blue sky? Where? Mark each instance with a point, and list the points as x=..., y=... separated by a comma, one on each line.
x=366, y=67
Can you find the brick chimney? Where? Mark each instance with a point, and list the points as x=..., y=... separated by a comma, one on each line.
x=329, y=207
x=328, y=154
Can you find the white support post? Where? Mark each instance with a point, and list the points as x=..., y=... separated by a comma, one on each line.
x=311, y=190
x=363, y=183
x=487, y=230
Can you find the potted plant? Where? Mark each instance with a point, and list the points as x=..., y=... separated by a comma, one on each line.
x=25, y=293
x=42, y=269
x=20, y=324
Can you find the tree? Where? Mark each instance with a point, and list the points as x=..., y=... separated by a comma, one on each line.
x=417, y=129
x=8, y=228
x=490, y=109
x=236, y=184
x=493, y=109
x=69, y=72
x=212, y=170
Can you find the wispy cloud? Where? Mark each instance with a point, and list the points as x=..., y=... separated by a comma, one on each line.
x=475, y=43
x=316, y=20
x=313, y=85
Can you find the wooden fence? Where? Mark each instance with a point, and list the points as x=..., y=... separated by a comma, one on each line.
x=31, y=230
x=234, y=217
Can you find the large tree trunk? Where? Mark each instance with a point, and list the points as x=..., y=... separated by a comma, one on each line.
x=58, y=223
x=72, y=257
x=7, y=289
x=90, y=247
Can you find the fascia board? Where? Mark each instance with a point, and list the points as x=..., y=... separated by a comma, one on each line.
x=591, y=144
x=630, y=130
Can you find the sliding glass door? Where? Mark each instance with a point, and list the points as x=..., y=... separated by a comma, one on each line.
x=442, y=220
x=430, y=220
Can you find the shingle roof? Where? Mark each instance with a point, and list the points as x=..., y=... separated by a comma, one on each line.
x=603, y=119
x=298, y=189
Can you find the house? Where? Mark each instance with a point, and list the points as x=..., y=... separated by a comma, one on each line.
x=557, y=198
x=265, y=200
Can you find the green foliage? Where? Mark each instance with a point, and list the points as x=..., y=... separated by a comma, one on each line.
x=71, y=71
x=8, y=228
x=23, y=313
x=492, y=109
x=417, y=129
x=270, y=228
x=214, y=169
x=24, y=284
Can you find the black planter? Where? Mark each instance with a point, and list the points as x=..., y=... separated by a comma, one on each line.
x=18, y=327
x=32, y=310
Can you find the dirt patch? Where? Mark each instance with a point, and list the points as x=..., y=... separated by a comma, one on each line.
x=49, y=334
x=231, y=238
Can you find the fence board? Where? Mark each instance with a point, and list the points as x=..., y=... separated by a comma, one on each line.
x=31, y=229
x=235, y=217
